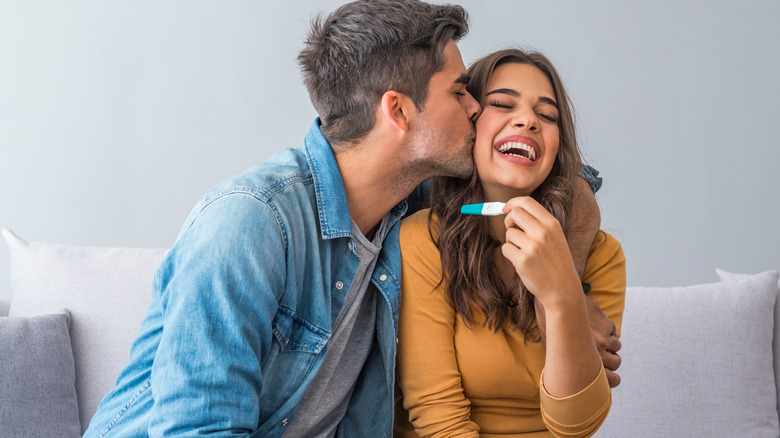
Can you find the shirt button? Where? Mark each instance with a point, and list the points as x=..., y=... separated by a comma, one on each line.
x=382, y=277
x=339, y=285
x=285, y=422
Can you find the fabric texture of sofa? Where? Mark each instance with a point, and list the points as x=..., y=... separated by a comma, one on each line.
x=698, y=361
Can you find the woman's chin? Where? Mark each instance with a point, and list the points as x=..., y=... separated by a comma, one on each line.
x=504, y=191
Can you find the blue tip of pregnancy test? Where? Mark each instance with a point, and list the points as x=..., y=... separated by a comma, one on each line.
x=472, y=209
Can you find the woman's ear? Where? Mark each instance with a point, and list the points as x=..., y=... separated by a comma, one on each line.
x=398, y=110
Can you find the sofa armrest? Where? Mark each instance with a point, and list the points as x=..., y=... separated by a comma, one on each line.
x=4, y=304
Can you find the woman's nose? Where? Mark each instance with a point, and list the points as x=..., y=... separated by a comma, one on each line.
x=526, y=119
x=472, y=108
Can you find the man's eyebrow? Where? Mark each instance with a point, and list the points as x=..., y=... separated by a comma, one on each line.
x=513, y=93
x=463, y=79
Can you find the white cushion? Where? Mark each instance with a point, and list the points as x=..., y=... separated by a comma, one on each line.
x=697, y=361
x=106, y=290
x=728, y=276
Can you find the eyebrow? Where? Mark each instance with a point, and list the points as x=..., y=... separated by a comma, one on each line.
x=463, y=79
x=513, y=93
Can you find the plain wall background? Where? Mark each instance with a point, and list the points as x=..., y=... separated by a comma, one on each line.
x=116, y=116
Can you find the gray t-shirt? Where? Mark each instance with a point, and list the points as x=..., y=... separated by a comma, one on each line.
x=327, y=397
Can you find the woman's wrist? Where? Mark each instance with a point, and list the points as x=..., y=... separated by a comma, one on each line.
x=566, y=296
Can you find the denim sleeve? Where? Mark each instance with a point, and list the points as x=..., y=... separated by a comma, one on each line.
x=219, y=296
x=591, y=175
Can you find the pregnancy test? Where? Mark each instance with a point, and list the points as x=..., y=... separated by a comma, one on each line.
x=484, y=208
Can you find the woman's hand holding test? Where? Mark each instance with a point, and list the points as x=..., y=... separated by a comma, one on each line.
x=537, y=248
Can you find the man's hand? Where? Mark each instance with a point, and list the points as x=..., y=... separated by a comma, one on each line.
x=607, y=343
x=604, y=335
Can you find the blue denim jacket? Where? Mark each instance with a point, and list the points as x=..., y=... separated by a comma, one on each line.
x=241, y=313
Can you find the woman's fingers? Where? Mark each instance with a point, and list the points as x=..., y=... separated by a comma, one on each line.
x=518, y=217
x=536, y=246
x=532, y=207
x=529, y=216
x=512, y=253
x=527, y=231
x=519, y=238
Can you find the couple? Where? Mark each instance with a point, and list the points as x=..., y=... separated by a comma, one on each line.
x=276, y=313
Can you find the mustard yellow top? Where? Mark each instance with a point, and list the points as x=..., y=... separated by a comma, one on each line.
x=460, y=381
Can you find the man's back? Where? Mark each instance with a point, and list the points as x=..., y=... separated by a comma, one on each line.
x=243, y=306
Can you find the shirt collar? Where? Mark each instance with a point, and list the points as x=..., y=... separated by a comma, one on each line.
x=331, y=196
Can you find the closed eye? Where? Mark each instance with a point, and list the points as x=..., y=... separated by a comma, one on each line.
x=500, y=104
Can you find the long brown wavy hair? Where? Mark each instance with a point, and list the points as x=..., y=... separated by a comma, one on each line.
x=470, y=275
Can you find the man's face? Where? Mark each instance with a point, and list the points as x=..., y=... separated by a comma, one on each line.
x=444, y=135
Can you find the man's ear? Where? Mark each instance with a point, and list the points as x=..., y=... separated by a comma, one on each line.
x=398, y=110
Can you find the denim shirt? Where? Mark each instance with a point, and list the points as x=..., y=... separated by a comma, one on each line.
x=241, y=315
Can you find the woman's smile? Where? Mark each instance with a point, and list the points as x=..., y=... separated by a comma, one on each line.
x=518, y=149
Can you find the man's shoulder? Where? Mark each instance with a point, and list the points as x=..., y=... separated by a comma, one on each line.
x=269, y=196
x=270, y=188
x=268, y=179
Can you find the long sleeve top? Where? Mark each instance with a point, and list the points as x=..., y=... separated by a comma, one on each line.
x=469, y=381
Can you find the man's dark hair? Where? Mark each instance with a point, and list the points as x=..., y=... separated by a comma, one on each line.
x=366, y=48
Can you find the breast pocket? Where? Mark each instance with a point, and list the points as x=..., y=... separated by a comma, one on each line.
x=297, y=334
x=298, y=344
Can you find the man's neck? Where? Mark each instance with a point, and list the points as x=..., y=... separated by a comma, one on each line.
x=374, y=181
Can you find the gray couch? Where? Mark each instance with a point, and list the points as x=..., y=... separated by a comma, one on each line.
x=698, y=361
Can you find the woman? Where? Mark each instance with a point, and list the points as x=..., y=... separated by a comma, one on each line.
x=494, y=336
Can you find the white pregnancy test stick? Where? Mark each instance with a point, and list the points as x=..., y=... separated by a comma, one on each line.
x=484, y=209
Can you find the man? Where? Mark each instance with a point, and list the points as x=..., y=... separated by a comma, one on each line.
x=275, y=313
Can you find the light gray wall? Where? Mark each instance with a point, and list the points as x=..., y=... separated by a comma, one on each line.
x=116, y=116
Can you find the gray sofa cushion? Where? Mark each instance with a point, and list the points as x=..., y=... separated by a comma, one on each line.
x=106, y=290
x=697, y=361
x=728, y=276
x=37, y=377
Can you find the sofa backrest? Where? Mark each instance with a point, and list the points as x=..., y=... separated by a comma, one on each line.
x=689, y=354
x=106, y=290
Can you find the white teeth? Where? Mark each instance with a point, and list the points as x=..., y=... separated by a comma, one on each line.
x=516, y=145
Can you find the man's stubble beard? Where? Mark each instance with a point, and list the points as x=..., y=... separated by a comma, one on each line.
x=417, y=170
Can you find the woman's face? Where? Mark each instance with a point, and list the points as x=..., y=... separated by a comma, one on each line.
x=517, y=132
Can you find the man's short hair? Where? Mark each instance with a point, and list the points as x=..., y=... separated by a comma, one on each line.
x=366, y=48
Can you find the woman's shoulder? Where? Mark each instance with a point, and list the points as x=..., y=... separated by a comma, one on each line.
x=417, y=225
x=416, y=236
x=606, y=272
x=606, y=259
x=417, y=218
x=605, y=248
